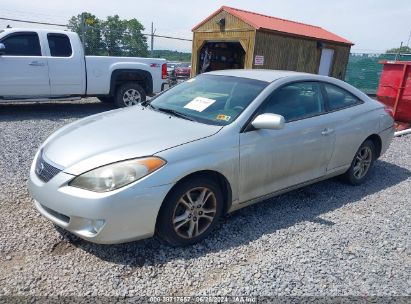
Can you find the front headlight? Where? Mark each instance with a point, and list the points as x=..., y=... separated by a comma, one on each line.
x=117, y=175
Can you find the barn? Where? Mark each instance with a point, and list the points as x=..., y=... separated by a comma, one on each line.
x=236, y=39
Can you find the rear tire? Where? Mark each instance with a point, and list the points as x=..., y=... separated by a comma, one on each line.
x=361, y=165
x=129, y=94
x=190, y=212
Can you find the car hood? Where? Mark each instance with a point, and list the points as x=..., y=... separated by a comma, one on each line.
x=118, y=135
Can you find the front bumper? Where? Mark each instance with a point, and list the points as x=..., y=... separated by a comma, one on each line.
x=119, y=216
x=182, y=74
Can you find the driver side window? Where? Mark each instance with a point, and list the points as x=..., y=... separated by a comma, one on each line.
x=22, y=44
x=295, y=101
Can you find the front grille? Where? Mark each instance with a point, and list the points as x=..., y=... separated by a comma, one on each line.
x=44, y=170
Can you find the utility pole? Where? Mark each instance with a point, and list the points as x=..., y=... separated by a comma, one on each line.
x=399, y=52
x=152, y=39
x=83, y=32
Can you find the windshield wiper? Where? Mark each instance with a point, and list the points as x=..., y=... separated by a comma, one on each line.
x=175, y=113
x=146, y=103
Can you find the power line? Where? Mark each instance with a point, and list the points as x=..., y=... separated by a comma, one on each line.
x=145, y=34
x=169, y=37
x=355, y=50
x=88, y=26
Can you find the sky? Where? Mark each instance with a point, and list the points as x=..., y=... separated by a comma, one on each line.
x=373, y=25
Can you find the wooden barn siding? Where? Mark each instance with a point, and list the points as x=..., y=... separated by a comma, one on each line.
x=280, y=51
x=231, y=23
x=341, y=56
x=297, y=54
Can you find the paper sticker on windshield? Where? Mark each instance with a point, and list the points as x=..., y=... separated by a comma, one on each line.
x=199, y=104
x=223, y=117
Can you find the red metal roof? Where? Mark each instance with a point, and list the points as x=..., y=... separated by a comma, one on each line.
x=259, y=21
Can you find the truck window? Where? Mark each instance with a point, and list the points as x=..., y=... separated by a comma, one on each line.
x=59, y=45
x=22, y=44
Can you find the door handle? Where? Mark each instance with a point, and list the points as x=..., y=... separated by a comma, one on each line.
x=327, y=131
x=36, y=63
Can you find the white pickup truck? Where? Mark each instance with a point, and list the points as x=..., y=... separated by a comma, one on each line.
x=38, y=64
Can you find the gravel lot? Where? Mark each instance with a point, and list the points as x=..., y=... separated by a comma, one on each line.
x=325, y=239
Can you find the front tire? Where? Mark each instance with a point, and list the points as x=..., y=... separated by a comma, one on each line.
x=190, y=212
x=362, y=164
x=129, y=94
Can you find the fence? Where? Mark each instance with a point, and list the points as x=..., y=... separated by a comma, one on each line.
x=364, y=70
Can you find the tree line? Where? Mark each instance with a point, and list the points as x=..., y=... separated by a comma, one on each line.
x=172, y=55
x=400, y=50
x=111, y=37
x=117, y=37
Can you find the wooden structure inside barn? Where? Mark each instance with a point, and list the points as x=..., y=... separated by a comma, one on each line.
x=237, y=39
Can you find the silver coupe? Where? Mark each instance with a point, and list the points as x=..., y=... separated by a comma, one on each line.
x=218, y=142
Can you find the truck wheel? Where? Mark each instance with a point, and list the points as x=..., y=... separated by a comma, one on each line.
x=129, y=94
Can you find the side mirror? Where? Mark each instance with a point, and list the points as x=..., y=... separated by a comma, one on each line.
x=2, y=49
x=268, y=121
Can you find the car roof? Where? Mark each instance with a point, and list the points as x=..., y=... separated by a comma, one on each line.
x=45, y=30
x=273, y=75
x=260, y=74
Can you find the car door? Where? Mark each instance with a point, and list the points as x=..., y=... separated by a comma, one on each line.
x=23, y=68
x=350, y=122
x=271, y=160
x=66, y=67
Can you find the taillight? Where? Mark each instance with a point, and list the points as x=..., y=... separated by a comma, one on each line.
x=164, y=71
x=390, y=111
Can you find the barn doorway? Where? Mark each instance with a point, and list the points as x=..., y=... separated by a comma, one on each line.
x=221, y=55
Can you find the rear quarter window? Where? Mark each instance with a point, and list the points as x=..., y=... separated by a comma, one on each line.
x=339, y=98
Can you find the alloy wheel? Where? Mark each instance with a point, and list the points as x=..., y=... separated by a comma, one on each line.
x=362, y=162
x=131, y=97
x=194, y=212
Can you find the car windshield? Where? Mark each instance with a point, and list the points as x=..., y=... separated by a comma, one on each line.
x=210, y=99
x=184, y=65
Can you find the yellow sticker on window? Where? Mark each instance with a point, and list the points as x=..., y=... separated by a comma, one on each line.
x=223, y=117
